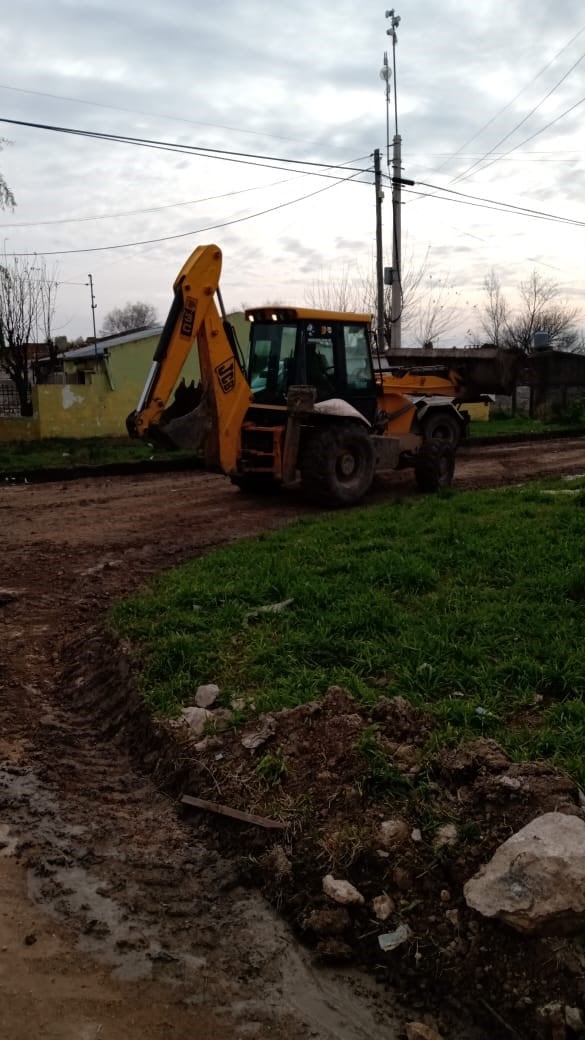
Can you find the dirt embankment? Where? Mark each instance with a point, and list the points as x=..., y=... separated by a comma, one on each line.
x=119, y=882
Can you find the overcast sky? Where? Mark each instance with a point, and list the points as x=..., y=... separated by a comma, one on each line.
x=297, y=81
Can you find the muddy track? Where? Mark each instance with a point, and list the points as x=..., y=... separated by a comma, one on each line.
x=114, y=914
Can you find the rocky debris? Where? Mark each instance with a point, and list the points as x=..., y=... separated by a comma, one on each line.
x=222, y=719
x=535, y=881
x=453, y=917
x=277, y=863
x=419, y=1031
x=196, y=719
x=574, y=1020
x=392, y=940
x=270, y=608
x=206, y=695
x=553, y=1017
x=333, y=950
x=416, y=834
x=99, y=568
x=256, y=738
x=383, y=907
x=332, y=921
x=445, y=836
x=480, y=756
x=342, y=891
x=393, y=833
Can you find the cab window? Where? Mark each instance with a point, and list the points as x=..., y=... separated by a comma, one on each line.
x=320, y=359
x=358, y=361
x=272, y=358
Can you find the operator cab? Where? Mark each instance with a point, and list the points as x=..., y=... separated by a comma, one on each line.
x=301, y=347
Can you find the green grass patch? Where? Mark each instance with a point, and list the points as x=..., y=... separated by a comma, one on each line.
x=470, y=604
x=504, y=426
x=68, y=453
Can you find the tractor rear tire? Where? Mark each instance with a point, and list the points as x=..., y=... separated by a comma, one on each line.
x=434, y=466
x=337, y=464
x=442, y=426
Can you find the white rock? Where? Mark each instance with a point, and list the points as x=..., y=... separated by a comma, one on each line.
x=393, y=833
x=196, y=719
x=418, y=1031
x=341, y=891
x=392, y=940
x=445, y=835
x=260, y=736
x=535, y=881
x=416, y=835
x=383, y=907
x=206, y=695
x=574, y=1020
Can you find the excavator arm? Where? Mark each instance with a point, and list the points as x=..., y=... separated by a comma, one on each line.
x=225, y=394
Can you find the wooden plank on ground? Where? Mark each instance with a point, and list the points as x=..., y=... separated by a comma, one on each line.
x=234, y=814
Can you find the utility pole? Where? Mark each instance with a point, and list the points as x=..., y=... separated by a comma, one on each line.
x=93, y=307
x=396, y=313
x=379, y=253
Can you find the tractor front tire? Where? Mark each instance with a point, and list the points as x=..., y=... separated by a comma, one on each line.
x=337, y=464
x=442, y=426
x=434, y=466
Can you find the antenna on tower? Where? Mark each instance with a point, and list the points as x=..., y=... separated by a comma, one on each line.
x=386, y=75
x=396, y=179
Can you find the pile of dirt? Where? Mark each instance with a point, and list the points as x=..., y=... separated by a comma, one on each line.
x=358, y=801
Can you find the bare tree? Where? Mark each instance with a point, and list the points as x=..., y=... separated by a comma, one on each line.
x=137, y=315
x=7, y=200
x=436, y=311
x=27, y=301
x=347, y=292
x=541, y=309
x=494, y=319
x=427, y=308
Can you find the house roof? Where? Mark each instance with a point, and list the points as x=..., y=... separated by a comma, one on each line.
x=102, y=345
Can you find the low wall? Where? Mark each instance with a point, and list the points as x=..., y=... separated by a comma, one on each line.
x=72, y=411
x=15, y=428
x=81, y=411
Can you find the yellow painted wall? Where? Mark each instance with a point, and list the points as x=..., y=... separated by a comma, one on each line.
x=97, y=408
x=13, y=428
x=479, y=411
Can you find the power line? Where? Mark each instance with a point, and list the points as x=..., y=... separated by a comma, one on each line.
x=496, y=202
x=186, y=234
x=142, y=112
x=536, y=133
x=498, y=208
x=173, y=145
x=147, y=209
x=466, y=173
x=505, y=108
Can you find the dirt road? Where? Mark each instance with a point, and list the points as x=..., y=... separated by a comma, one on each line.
x=114, y=920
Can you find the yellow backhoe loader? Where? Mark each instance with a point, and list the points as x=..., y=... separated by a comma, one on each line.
x=311, y=403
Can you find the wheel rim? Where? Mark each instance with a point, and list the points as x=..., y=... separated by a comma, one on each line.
x=347, y=466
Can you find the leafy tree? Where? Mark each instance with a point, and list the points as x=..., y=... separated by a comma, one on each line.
x=137, y=315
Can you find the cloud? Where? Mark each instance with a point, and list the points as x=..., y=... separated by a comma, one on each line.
x=297, y=82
